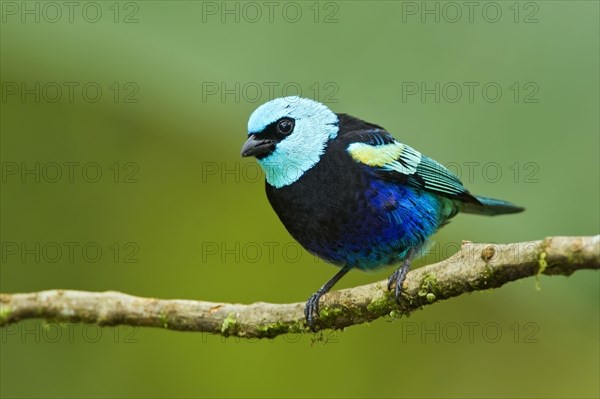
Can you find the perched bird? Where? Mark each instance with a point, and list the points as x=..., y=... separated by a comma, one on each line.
x=349, y=192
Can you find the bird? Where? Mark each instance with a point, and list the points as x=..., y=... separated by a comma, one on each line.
x=350, y=193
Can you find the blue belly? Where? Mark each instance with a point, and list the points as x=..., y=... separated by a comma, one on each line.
x=390, y=220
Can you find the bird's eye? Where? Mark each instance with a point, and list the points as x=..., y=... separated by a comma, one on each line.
x=285, y=126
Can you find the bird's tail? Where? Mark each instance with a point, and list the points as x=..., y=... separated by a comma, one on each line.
x=490, y=207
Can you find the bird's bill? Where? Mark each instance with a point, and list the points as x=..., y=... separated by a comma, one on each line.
x=254, y=147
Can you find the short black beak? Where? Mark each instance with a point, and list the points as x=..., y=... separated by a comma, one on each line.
x=257, y=148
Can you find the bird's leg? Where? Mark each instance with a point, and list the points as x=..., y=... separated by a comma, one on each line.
x=312, y=305
x=397, y=278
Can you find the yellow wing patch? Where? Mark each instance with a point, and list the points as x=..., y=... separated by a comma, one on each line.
x=380, y=155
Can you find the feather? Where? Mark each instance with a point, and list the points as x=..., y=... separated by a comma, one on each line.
x=393, y=160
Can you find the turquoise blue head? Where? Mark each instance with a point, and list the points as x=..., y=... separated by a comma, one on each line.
x=288, y=136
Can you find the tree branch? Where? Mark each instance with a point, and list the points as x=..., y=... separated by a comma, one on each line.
x=475, y=267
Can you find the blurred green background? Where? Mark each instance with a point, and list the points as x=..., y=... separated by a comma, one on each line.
x=177, y=214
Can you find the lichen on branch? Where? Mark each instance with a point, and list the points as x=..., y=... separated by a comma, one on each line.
x=474, y=267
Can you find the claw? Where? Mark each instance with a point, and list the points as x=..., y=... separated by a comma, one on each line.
x=392, y=280
x=312, y=309
x=398, y=289
x=312, y=305
x=397, y=278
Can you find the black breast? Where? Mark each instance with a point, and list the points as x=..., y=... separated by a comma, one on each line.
x=321, y=204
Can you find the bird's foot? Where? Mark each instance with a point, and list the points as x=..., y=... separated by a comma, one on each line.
x=392, y=280
x=311, y=310
x=397, y=279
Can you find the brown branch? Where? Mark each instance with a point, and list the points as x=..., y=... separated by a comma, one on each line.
x=474, y=267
